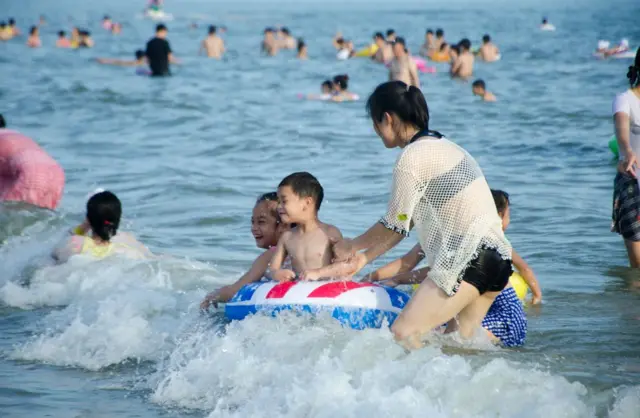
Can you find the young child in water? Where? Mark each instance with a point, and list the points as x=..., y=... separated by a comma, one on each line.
x=62, y=41
x=266, y=228
x=479, y=88
x=104, y=211
x=310, y=243
x=34, y=38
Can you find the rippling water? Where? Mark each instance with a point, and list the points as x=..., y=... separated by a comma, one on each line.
x=188, y=155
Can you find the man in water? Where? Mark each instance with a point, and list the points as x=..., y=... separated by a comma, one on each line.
x=384, y=54
x=479, y=88
x=285, y=40
x=159, y=53
x=403, y=68
x=462, y=66
x=489, y=52
x=439, y=39
x=213, y=45
x=269, y=43
x=391, y=36
x=427, y=48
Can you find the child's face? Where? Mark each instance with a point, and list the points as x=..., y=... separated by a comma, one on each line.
x=506, y=218
x=478, y=91
x=264, y=225
x=291, y=207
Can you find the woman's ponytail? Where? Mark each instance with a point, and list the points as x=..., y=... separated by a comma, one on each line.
x=406, y=102
x=103, y=213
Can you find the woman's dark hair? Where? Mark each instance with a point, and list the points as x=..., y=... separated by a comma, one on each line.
x=439, y=33
x=341, y=80
x=406, y=102
x=443, y=46
x=33, y=30
x=301, y=44
x=61, y=34
x=12, y=21
x=327, y=83
x=634, y=71
x=391, y=32
x=103, y=213
x=501, y=199
x=140, y=54
x=3, y=123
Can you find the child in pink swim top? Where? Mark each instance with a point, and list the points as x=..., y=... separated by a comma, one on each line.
x=266, y=228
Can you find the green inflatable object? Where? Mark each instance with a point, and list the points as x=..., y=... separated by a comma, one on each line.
x=613, y=145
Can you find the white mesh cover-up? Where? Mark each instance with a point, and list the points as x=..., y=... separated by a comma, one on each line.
x=439, y=189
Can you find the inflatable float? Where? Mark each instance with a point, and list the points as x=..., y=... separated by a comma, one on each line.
x=356, y=305
x=421, y=63
x=368, y=51
x=27, y=173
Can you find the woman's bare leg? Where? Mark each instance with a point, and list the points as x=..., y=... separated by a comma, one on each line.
x=633, y=252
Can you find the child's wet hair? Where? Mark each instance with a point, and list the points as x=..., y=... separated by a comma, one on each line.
x=439, y=33
x=301, y=44
x=328, y=84
x=501, y=199
x=341, y=80
x=486, y=39
x=285, y=31
x=391, y=32
x=406, y=102
x=480, y=84
x=33, y=30
x=634, y=71
x=103, y=213
x=378, y=35
x=212, y=29
x=61, y=34
x=140, y=54
x=303, y=185
x=465, y=43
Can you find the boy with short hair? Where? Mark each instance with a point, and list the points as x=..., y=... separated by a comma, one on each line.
x=479, y=88
x=309, y=244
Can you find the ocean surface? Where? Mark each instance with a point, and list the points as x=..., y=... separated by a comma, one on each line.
x=188, y=155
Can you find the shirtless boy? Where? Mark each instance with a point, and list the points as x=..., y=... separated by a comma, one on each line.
x=489, y=52
x=384, y=53
x=479, y=88
x=462, y=66
x=309, y=244
x=213, y=45
x=403, y=68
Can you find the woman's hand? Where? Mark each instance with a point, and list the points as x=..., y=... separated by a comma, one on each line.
x=343, y=250
x=211, y=299
x=629, y=164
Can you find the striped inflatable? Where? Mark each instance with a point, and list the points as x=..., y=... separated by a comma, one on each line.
x=357, y=305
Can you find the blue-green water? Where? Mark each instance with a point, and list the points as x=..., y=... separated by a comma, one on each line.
x=189, y=154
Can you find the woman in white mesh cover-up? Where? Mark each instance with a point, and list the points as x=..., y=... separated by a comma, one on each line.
x=439, y=190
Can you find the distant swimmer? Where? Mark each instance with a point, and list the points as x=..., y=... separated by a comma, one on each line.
x=75, y=37
x=269, y=42
x=443, y=54
x=212, y=45
x=34, y=38
x=106, y=23
x=302, y=50
x=85, y=39
x=326, y=89
x=140, y=60
x=488, y=52
x=403, y=67
x=159, y=54
x=384, y=54
x=345, y=48
x=545, y=25
x=391, y=36
x=285, y=40
x=341, y=91
x=5, y=33
x=479, y=88
x=429, y=46
x=462, y=65
x=13, y=28
x=618, y=49
x=439, y=39
x=63, y=41
x=116, y=28
x=98, y=235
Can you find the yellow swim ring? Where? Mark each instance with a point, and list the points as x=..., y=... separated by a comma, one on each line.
x=516, y=280
x=368, y=51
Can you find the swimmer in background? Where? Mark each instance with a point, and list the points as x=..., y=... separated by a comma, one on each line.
x=545, y=25
x=85, y=39
x=428, y=47
x=75, y=37
x=106, y=23
x=310, y=244
x=269, y=42
x=213, y=45
x=159, y=54
x=462, y=65
x=62, y=41
x=341, y=91
x=391, y=36
x=345, y=48
x=439, y=39
x=34, y=38
x=266, y=228
x=5, y=34
x=403, y=67
x=116, y=28
x=488, y=52
x=285, y=40
x=327, y=92
x=618, y=49
x=479, y=88
x=104, y=211
x=302, y=50
x=384, y=54
x=140, y=60
x=13, y=28
x=443, y=54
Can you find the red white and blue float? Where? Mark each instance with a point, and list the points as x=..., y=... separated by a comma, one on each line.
x=357, y=305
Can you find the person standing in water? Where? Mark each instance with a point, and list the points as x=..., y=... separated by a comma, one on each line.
x=489, y=52
x=479, y=88
x=439, y=190
x=269, y=43
x=302, y=50
x=626, y=194
x=403, y=68
x=428, y=48
x=159, y=53
x=62, y=41
x=213, y=45
x=34, y=38
x=384, y=54
x=285, y=40
x=462, y=65
x=391, y=36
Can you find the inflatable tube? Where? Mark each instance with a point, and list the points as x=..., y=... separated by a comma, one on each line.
x=368, y=51
x=519, y=285
x=613, y=146
x=27, y=173
x=356, y=305
x=421, y=63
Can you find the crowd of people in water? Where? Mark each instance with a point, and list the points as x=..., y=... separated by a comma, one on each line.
x=460, y=222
